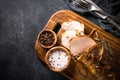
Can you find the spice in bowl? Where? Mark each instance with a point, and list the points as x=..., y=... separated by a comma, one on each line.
x=47, y=38
x=58, y=58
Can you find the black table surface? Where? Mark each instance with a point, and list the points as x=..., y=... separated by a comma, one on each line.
x=20, y=23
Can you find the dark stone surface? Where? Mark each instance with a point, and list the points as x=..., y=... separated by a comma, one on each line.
x=20, y=23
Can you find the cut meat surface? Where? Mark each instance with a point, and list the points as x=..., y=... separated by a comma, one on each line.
x=74, y=25
x=66, y=36
x=79, y=45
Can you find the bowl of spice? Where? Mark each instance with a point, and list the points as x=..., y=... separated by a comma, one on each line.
x=47, y=38
x=58, y=58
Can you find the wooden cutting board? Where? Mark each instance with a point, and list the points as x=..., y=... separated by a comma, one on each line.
x=54, y=24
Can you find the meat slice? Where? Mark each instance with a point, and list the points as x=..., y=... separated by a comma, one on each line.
x=74, y=25
x=66, y=36
x=80, y=44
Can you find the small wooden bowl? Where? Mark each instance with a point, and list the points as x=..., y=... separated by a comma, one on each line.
x=50, y=52
x=53, y=36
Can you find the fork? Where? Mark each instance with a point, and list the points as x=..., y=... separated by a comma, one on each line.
x=92, y=7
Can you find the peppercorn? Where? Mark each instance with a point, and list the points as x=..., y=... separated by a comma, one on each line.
x=46, y=38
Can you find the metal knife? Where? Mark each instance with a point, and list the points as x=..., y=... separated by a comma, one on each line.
x=92, y=7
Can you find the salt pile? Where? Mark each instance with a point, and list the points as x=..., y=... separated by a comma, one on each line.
x=58, y=59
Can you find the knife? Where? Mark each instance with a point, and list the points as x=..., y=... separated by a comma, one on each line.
x=90, y=6
x=98, y=11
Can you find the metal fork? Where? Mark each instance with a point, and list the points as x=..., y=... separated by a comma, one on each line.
x=92, y=7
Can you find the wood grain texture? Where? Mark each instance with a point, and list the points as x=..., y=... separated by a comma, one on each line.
x=72, y=72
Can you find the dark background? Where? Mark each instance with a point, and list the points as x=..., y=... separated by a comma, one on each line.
x=20, y=23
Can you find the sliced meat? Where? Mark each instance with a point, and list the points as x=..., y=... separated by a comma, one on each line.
x=66, y=36
x=74, y=25
x=80, y=44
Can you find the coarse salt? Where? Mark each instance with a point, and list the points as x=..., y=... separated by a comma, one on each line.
x=58, y=59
